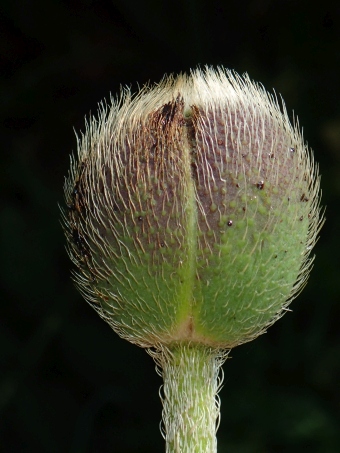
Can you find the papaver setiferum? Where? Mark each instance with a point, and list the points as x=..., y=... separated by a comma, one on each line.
x=192, y=209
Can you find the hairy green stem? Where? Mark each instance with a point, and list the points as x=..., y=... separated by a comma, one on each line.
x=191, y=407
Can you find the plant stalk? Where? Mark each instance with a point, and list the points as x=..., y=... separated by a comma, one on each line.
x=191, y=407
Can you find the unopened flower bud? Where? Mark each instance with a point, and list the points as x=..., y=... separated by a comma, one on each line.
x=192, y=211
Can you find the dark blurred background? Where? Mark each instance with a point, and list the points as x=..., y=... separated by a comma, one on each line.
x=70, y=384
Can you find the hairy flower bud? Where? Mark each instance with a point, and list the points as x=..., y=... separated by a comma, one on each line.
x=192, y=211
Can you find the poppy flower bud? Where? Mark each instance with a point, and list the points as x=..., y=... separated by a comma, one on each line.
x=192, y=211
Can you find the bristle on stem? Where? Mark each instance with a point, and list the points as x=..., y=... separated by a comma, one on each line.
x=191, y=406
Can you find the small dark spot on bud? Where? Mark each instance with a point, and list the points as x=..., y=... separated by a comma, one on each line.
x=244, y=209
x=301, y=218
x=162, y=244
x=288, y=199
x=271, y=155
x=303, y=198
x=292, y=150
x=275, y=256
x=230, y=222
x=237, y=185
x=260, y=185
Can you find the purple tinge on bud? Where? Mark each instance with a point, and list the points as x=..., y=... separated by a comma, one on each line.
x=190, y=218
